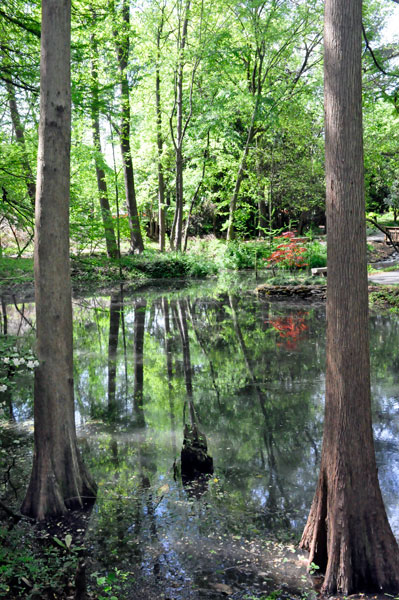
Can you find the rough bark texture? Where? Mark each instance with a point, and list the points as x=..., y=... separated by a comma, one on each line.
x=59, y=480
x=347, y=533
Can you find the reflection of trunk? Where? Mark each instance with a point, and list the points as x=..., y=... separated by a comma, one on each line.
x=169, y=369
x=205, y=351
x=4, y=313
x=182, y=326
x=161, y=182
x=268, y=437
x=139, y=327
x=113, y=338
x=112, y=249
x=123, y=46
x=195, y=460
x=20, y=136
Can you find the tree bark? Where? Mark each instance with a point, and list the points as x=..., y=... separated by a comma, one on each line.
x=59, y=480
x=122, y=47
x=347, y=533
x=109, y=233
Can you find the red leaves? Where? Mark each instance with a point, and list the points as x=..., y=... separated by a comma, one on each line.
x=290, y=253
x=290, y=328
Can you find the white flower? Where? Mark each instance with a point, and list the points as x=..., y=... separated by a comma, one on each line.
x=6, y=360
x=3, y=388
x=36, y=363
x=16, y=361
x=31, y=364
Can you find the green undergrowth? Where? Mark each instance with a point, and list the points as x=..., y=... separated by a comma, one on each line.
x=386, y=297
x=254, y=254
x=205, y=257
x=15, y=270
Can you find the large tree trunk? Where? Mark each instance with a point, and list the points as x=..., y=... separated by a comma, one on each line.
x=109, y=233
x=347, y=533
x=59, y=479
x=123, y=45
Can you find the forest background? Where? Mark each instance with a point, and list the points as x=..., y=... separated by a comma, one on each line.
x=190, y=118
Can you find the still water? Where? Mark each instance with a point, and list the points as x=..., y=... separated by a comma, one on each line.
x=250, y=375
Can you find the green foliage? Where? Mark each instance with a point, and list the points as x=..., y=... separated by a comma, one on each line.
x=315, y=255
x=14, y=270
x=244, y=255
x=27, y=572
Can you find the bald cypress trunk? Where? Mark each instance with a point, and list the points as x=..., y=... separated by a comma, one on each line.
x=347, y=533
x=59, y=480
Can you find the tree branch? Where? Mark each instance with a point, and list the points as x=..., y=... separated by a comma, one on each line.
x=384, y=230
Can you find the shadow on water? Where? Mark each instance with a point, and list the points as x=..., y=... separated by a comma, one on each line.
x=200, y=414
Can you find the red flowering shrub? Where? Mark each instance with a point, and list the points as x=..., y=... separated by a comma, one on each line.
x=289, y=254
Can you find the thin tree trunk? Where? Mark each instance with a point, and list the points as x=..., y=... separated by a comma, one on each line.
x=177, y=226
x=161, y=181
x=20, y=136
x=241, y=173
x=123, y=46
x=59, y=479
x=109, y=233
x=347, y=533
x=195, y=196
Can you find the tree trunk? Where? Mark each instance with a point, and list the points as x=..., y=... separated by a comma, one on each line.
x=161, y=181
x=347, y=533
x=136, y=240
x=109, y=233
x=59, y=480
x=20, y=136
x=177, y=226
x=240, y=173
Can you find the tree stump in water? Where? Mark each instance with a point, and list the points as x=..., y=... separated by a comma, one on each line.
x=195, y=460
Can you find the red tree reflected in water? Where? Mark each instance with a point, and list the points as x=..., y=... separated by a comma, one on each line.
x=290, y=329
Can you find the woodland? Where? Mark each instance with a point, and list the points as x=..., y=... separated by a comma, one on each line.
x=163, y=437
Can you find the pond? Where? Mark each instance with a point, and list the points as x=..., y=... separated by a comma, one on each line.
x=249, y=375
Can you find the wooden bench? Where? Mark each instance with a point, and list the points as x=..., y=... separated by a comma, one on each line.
x=394, y=233
x=319, y=271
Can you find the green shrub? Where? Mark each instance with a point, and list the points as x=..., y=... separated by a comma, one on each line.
x=316, y=255
x=244, y=255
